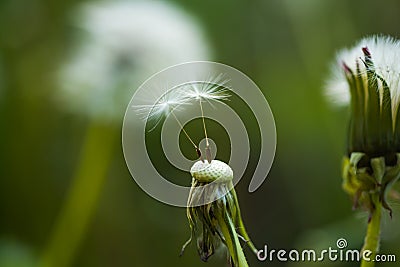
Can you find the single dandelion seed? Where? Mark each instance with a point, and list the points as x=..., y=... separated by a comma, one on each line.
x=213, y=89
x=175, y=99
x=208, y=152
x=367, y=76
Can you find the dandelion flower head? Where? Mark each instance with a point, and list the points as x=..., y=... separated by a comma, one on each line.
x=385, y=53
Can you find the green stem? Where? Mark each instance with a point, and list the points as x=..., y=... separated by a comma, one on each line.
x=231, y=239
x=372, y=237
x=80, y=205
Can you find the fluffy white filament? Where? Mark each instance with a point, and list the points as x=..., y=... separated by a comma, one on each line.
x=213, y=89
x=176, y=99
x=385, y=53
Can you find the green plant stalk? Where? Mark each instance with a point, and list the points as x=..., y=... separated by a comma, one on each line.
x=231, y=239
x=80, y=204
x=372, y=237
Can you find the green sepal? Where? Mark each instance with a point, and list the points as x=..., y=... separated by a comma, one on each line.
x=356, y=136
x=396, y=134
x=391, y=176
x=372, y=111
x=364, y=184
x=378, y=168
x=218, y=222
x=240, y=225
x=386, y=118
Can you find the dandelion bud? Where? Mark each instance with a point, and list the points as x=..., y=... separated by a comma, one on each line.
x=368, y=75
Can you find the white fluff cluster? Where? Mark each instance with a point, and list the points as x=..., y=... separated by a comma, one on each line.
x=175, y=99
x=124, y=42
x=212, y=89
x=385, y=53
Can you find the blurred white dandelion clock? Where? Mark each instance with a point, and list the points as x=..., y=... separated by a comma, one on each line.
x=385, y=52
x=124, y=42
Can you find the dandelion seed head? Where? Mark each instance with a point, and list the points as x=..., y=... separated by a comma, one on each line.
x=385, y=53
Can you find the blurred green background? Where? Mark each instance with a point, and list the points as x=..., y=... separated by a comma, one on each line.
x=285, y=46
